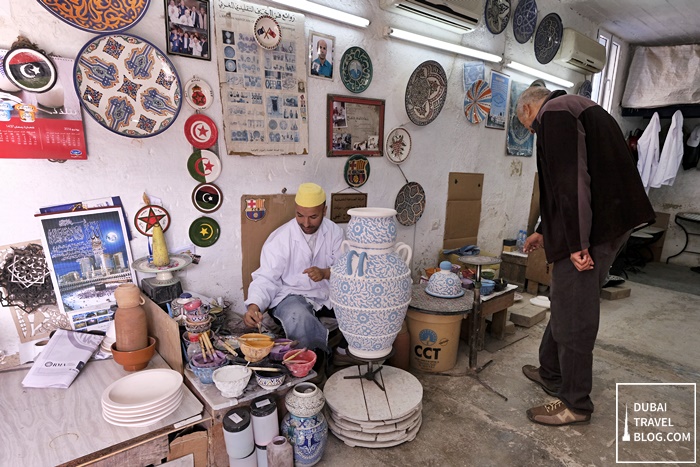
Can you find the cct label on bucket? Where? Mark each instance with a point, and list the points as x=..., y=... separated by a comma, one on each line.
x=427, y=353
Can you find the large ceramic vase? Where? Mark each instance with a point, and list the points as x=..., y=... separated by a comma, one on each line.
x=130, y=323
x=371, y=283
x=304, y=425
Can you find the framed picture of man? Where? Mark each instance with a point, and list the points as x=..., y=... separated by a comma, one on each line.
x=187, y=28
x=321, y=55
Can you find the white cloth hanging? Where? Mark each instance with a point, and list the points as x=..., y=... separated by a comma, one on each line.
x=671, y=154
x=648, y=150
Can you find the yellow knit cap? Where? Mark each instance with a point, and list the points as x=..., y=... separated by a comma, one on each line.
x=310, y=195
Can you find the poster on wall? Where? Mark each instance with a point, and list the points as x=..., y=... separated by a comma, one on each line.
x=262, y=79
x=89, y=256
x=499, y=101
x=45, y=125
x=519, y=140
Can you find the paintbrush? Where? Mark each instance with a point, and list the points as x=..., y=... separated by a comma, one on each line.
x=293, y=355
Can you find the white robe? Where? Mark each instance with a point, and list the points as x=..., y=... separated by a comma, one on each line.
x=671, y=154
x=285, y=255
x=648, y=150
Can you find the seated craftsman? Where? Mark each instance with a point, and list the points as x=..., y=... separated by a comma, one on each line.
x=295, y=267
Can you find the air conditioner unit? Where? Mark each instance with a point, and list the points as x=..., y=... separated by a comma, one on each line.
x=458, y=16
x=580, y=52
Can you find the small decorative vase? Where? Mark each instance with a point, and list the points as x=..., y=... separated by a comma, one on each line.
x=130, y=319
x=308, y=436
x=370, y=285
x=280, y=453
x=304, y=400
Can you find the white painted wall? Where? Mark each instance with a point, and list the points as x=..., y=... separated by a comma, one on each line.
x=119, y=166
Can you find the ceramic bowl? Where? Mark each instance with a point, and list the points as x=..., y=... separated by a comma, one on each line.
x=281, y=347
x=302, y=364
x=197, y=317
x=488, y=274
x=500, y=284
x=487, y=286
x=231, y=380
x=270, y=380
x=254, y=351
x=136, y=359
x=197, y=327
x=205, y=373
x=198, y=360
x=445, y=283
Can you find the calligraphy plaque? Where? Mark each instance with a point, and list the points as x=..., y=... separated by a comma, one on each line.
x=342, y=202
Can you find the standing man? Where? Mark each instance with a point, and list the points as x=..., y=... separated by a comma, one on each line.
x=295, y=268
x=591, y=197
x=320, y=66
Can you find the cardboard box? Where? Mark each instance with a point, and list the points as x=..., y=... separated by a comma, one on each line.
x=537, y=268
x=195, y=443
x=656, y=248
x=463, y=213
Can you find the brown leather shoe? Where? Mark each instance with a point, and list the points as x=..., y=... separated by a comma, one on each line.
x=533, y=374
x=556, y=413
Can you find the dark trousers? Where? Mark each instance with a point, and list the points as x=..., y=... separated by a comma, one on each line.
x=566, y=351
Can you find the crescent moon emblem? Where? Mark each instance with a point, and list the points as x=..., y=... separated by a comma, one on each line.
x=211, y=231
x=200, y=164
x=23, y=70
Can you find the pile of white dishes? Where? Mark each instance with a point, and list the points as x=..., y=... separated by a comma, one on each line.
x=109, y=339
x=142, y=398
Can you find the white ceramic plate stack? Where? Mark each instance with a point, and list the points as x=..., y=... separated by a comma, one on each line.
x=142, y=398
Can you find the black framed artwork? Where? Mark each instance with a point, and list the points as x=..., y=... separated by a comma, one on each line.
x=188, y=28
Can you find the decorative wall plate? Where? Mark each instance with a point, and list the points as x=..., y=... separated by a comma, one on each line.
x=98, y=17
x=477, y=101
x=548, y=38
x=356, y=170
x=524, y=20
x=127, y=85
x=150, y=215
x=398, y=145
x=586, y=89
x=207, y=197
x=204, y=231
x=410, y=203
x=496, y=15
x=267, y=32
x=356, y=69
x=426, y=92
x=201, y=131
x=204, y=166
x=198, y=94
x=30, y=70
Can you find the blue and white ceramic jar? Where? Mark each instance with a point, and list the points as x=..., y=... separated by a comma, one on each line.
x=371, y=283
x=307, y=435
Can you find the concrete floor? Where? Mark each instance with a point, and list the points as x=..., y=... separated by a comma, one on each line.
x=650, y=336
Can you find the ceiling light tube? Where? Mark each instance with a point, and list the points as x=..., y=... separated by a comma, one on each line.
x=539, y=74
x=320, y=10
x=438, y=44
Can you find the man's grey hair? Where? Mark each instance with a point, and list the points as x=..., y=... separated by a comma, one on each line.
x=529, y=96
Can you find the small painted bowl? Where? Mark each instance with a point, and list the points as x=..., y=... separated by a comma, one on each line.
x=302, y=364
x=487, y=286
x=198, y=327
x=255, y=350
x=199, y=361
x=196, y=317
x=205, y=374
x=231, y=380
x=270, y=380
x=281, y=347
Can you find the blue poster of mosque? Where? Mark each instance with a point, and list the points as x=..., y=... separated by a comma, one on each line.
x=89, y=256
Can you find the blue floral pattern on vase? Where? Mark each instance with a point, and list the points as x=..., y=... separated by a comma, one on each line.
x=370, y=287
x=308, y=436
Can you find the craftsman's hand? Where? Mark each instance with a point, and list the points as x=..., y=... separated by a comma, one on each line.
x=582, y=260
x=317, y=274
x=533, y=242
x=253, y=316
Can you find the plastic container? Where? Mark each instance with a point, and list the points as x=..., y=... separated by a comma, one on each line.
x=238, y=433
x=263, y=410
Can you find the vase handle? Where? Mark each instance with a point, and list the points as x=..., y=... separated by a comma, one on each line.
x=361, y=265
x=142, y=301
x=348, y=266
x=344, y=247
x=404, y=251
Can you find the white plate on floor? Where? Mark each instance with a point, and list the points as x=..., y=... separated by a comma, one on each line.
x=540, y=301
x=517, y=297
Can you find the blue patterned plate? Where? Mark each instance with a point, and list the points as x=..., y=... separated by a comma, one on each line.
x=524, y=20
x=548, y=38
x=98, y=17
x=127, y=85
x=585, y=89
x=497, y=14
x=356, y=69
x=477, y=101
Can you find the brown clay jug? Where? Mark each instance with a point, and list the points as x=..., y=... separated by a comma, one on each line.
x=130, y=319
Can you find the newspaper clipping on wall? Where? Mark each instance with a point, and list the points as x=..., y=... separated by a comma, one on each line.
x=263, y=89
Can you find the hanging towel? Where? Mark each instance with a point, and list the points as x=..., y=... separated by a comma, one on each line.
x=648, y=148
x=671, y=154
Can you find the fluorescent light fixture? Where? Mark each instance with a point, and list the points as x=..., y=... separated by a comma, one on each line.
x=539, y=74
x=320, y=10
x=438, y=44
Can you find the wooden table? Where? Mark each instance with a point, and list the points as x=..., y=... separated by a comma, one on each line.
x=43, y=427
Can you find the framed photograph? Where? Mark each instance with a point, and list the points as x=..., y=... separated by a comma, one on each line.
x=88, y=255
x=355, y=126
x=321, y=57
x=187, y=28
x=500, y=84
